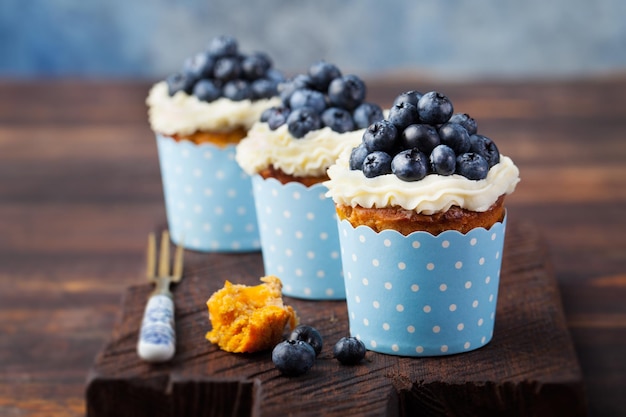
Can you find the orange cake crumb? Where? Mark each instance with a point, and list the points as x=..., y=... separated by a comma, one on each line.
x=249, y=318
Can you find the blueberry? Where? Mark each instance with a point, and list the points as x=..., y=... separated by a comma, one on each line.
x=403, y=115
x=226, y=69
x=455, y=136
x=293, y=357
x=276, y=116
x=408, y=97
x=410, y=165
x=237, y=90
x=347, y=91
x=443, y=160
x=380, y=136
x=305, y=97
x=223, y=45
x=309, y=335
x=287, y=88
x=434, y=108
x=303, y=120
x=337, y=119
x=420, y=136
x=486, y=148
x=322, y=73
x=377, y=163
x=472, y=166
x=199, y=66
x=357, y=156
x=275, y=75
x=466, y=121
x=206, y=90
x=264, y=88
x=179, y=82
x=349, y=350
x=367, y=113
x=255, y=66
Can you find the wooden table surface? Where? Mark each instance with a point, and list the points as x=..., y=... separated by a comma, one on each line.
x=80, y=189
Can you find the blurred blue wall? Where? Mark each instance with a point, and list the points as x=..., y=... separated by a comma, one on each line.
x=447, y=38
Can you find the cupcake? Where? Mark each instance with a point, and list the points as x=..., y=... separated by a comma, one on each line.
x=287, y=152
x=199, y=115
x=420, y=206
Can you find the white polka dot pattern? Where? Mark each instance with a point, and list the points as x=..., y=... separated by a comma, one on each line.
x=299, y=236
x=208, y=198
x=421, y=295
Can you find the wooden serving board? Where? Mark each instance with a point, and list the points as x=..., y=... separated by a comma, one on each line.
x=528, y=369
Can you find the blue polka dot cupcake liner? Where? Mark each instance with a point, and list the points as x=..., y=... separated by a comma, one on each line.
x=299, y=236
x=421, y=295
x=208, y=197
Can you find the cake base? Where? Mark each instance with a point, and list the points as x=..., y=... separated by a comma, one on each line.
x=219, y=139
x=285, y=178
x=528, y=369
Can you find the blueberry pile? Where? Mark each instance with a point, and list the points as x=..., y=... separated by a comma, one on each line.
x=222, y=71
x=322, y=97
x=422, y=135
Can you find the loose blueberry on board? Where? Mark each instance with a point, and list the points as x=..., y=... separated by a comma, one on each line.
x=402, y=115
x=443, y=160
x=206, y=90
x=377, y=163
x=410, y=165
x=322, y=73
x=179, y=82
x=293, y=357
x=367, y=113
x=337, y=119
x=485, y=147
x=420, y=136
x=309, y=335
x=472, y=166
x=347, y=91
x=412, y=97
x=303, y=120
x=434, y=108
x=305, y=97
x=466, y=121
x=455, y=136
x=349, y=350
x=224, y=45
x=357, y=156
x=380, y=136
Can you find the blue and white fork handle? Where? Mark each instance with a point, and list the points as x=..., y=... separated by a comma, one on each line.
x=157, y=337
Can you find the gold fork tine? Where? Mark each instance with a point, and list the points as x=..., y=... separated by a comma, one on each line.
x=151, y=257
x=178, y=263
x=164, y=261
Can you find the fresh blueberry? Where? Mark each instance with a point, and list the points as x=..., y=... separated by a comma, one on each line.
x=347, y=91
x=455, y=136
x=305, y=97
x=287, y=88
x=275, y=75
x=309, y=335
x=264, y=88
x=237, y=90
x=403, y=115
x=412, y=97
x=223, y=45
x=357, y=156
x=443, y=160
x=226, y=69
x=322, y=73
x=434, y=108
x=293, y=357
x=420, y=136
x=276, y=116
x=472, y=166
x=367, y=113
x=179, y=82
x=349, y=350
x=380, y=136
x=303, y=120
x=410, y=165
x=377, y=163
x=199, y=66
x=466, y=121
x=486, y=148
x=206, y=90
x=337, y=119
x=255, y=66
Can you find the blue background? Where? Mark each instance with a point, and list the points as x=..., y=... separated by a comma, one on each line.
x=446, y=38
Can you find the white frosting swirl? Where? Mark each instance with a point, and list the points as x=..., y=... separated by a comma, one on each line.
x=310, y=155
x=185, y=114
x=434, y=193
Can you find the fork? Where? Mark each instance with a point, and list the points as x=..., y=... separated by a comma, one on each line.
x=157, y=337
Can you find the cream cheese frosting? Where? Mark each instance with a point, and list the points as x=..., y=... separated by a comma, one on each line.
x=434, y=193
x=310, y=155
x=184, y=114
